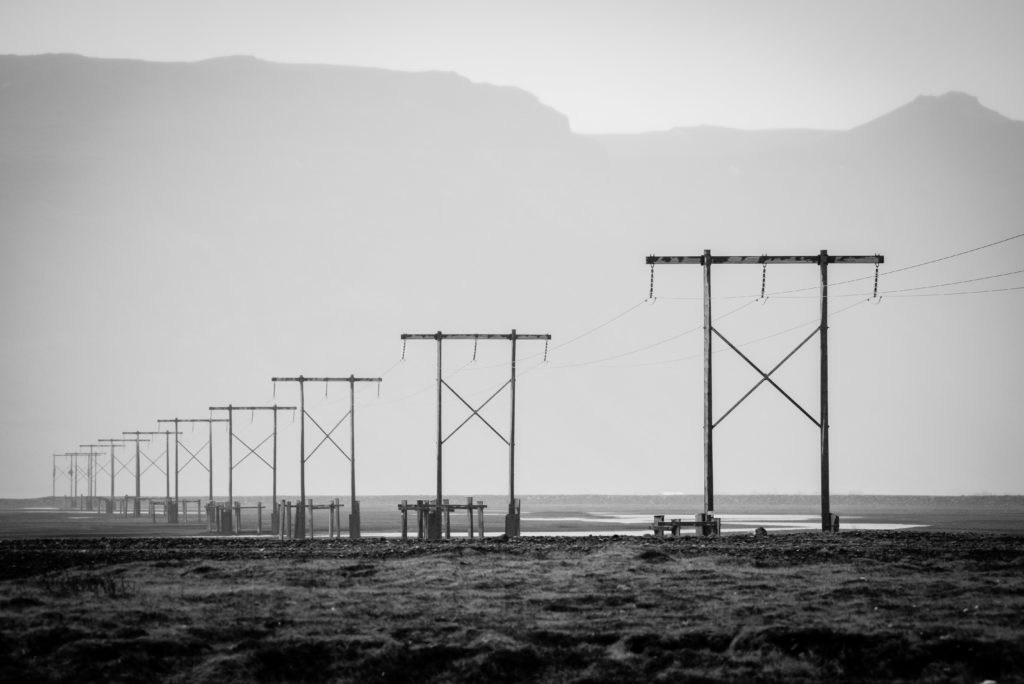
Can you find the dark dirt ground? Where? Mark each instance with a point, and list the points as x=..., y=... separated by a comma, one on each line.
x=855, y=606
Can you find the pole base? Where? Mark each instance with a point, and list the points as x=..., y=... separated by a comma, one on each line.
x=353, y=522
x=434, y=520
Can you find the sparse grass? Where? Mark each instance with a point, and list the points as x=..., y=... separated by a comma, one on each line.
x=874, y=608
x=75, y=584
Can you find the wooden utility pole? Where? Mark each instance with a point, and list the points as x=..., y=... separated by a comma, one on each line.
x=252, y=450
x=192, y=456
x=354, y=520
x=512, y=518
x=94, y=469
x=823, y=259
x=113, y=443
x=137, y=504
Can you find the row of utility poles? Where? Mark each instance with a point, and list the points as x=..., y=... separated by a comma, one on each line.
x=512, y=524
x=325, y=436
x=143, y=462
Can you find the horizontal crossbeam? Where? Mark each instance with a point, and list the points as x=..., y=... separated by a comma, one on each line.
x=252, y=408
x=473, y=336
x=765, y=259
x=305, y=379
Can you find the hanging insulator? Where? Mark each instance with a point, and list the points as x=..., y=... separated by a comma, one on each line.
x=475, y=341
x=252, y=417
x=378, y=390
x=650, y=293
x=403, y=349
x=764, y=280
x=875, y=295
x=275, y=389
x=546, y=344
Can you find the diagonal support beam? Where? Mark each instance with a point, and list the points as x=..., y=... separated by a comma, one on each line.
x=327, y=436
x=476, y=411
x=765, y=377
x=252, y=451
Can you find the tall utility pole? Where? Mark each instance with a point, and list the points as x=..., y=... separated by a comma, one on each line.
x=167, y=455
x=209, y=467
x=353, y=518
x=114, y=443
x=94, y=469
x=68, y=469
x=512, y=518
x=137, y=504
x=252, y=450
x=823, y=259
x=76, y=473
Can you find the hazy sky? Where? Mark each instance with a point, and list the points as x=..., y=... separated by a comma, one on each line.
x=609, y=65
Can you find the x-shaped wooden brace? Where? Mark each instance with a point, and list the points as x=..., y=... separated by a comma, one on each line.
x=194, y=455
x=252, y=451
x=475, y=411
x=327, y=435
x=766, y=377
x=152, y=464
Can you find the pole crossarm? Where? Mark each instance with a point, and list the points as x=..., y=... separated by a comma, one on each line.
x=249, y=408
x=765, y=259
x=473, y=336
x=301, y=378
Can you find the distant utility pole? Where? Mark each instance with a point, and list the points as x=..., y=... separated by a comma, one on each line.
x=99, y=468
x=75, y=472
x=823, y=259
x=192, y=455
x=115, y=443
x=67, y=470
x=354, y=517
x=512, y=518
x=94, y=469
x=252, y=450
x=137, y=505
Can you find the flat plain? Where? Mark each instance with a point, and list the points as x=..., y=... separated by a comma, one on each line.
x=806, y=606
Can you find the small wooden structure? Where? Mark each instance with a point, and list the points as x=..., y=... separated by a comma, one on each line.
x=174, y=511
x=288, y=512
x=703, y=523
x=426, y=508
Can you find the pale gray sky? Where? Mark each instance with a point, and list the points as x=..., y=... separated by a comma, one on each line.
x=610, y=66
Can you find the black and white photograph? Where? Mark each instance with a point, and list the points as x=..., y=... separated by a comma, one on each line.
x=512, y=341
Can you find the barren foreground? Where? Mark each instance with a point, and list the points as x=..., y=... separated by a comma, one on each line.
x=796, y=607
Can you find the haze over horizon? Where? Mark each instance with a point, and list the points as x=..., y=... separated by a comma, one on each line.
x=177, y=232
